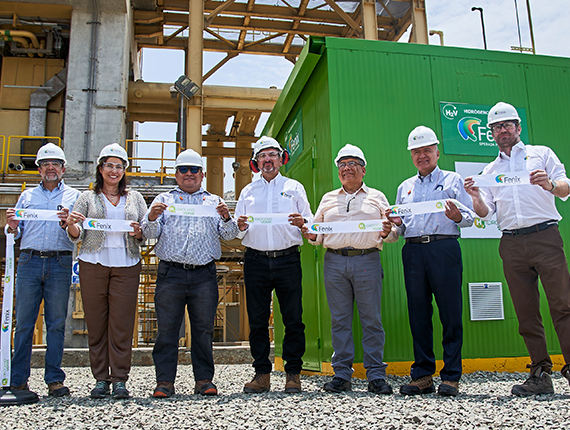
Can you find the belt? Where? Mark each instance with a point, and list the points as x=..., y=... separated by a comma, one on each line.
x=274, y=254
x=185, y=266
x=532, y=229
x=352, y=252
x=430, y=238
x=45, y=254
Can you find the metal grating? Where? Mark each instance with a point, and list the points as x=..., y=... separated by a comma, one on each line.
x=486, y=301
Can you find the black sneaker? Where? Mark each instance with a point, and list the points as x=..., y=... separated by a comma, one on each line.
x=539, y=382
x=120, y=390
x=338, y=385
x=101, y=390
x=379, y=386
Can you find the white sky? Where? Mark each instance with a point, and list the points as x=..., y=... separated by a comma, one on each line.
x=460, y=25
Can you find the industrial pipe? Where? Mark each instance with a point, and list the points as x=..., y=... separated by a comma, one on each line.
x=20, y=40
x=22, y=33
x=18, y=167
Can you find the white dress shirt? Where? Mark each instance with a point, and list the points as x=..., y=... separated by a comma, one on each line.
x=520, y=206
x=281, y=195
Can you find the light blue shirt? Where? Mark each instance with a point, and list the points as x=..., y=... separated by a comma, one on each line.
x=46, y=235
x=438, y=185
x=186, y=239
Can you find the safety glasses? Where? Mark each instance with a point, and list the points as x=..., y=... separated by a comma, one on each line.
x=193, y=169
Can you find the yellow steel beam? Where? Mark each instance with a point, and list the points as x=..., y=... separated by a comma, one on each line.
x=346, y=17
x=222, y=7
x=369, y=20
x=211, y=151
x=217, y=67
x=419, y=23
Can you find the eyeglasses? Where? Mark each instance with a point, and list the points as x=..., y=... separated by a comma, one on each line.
x=508, y=125
x=111, y=166
x=193, y=169
x=265, y=155
x=51, y=164
x=350, y=164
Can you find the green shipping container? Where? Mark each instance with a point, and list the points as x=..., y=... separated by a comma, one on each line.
x=372, y=94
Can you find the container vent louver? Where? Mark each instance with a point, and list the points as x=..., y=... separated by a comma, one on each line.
x=486, y=301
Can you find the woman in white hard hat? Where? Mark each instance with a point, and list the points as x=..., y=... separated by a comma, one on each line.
x=109, y=269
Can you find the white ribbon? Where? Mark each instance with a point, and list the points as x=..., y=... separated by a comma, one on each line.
x=502, y=179
x=192, y=210
x=431, y=206
x=36, y=215
x=7, y=306
x=362, y=226
x=266, y=219
x=107, y=224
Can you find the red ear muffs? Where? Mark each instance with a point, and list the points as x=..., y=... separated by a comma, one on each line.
x=255, y=168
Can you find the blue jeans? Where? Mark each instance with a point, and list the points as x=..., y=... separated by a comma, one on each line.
x=436, y=269
x=48, y=279
x=262, y=275
x=177, y=288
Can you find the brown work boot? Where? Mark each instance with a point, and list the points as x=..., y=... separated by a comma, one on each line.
x=259, y=384
x=163, y=390
x=57, y=389
x=423, y=385
x=22, y=387
x=539, y=382
x=448, y=388
x=293, y=384
x=205, y=387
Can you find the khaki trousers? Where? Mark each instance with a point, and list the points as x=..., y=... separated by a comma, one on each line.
x=525, y=258
x=109, y=300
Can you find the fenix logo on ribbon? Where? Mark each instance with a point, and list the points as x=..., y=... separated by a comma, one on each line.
x=99, y=225
x=25, y=215
x=504, y=179
x=6, y=320
x=399, y=211
x=317, y=228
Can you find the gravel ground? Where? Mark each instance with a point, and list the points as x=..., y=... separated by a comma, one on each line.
x=484, y=402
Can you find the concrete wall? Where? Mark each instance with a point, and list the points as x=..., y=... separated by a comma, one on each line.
x=108, y=116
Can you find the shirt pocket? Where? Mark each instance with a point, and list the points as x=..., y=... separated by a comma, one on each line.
x=286, y=202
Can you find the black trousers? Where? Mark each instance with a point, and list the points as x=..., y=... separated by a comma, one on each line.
x=262, y=275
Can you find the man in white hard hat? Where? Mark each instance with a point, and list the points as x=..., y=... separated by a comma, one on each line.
x=353, y=272
x=44, y=271
x=187, y=247
x=272, y=262
x=432, y=264
x=530, y=245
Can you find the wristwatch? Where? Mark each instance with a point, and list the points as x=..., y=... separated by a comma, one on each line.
x=553, y=186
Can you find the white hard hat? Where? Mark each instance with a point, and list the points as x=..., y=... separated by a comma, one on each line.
x=502, y=112
x=50, y=151
x=350, y=151
x=114, y=150
x=188, y=158
x=421, y=136
x=265, y=142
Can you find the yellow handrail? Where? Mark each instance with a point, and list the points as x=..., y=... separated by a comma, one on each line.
x=162, y=173
x=3, y=152
x=7, y=154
